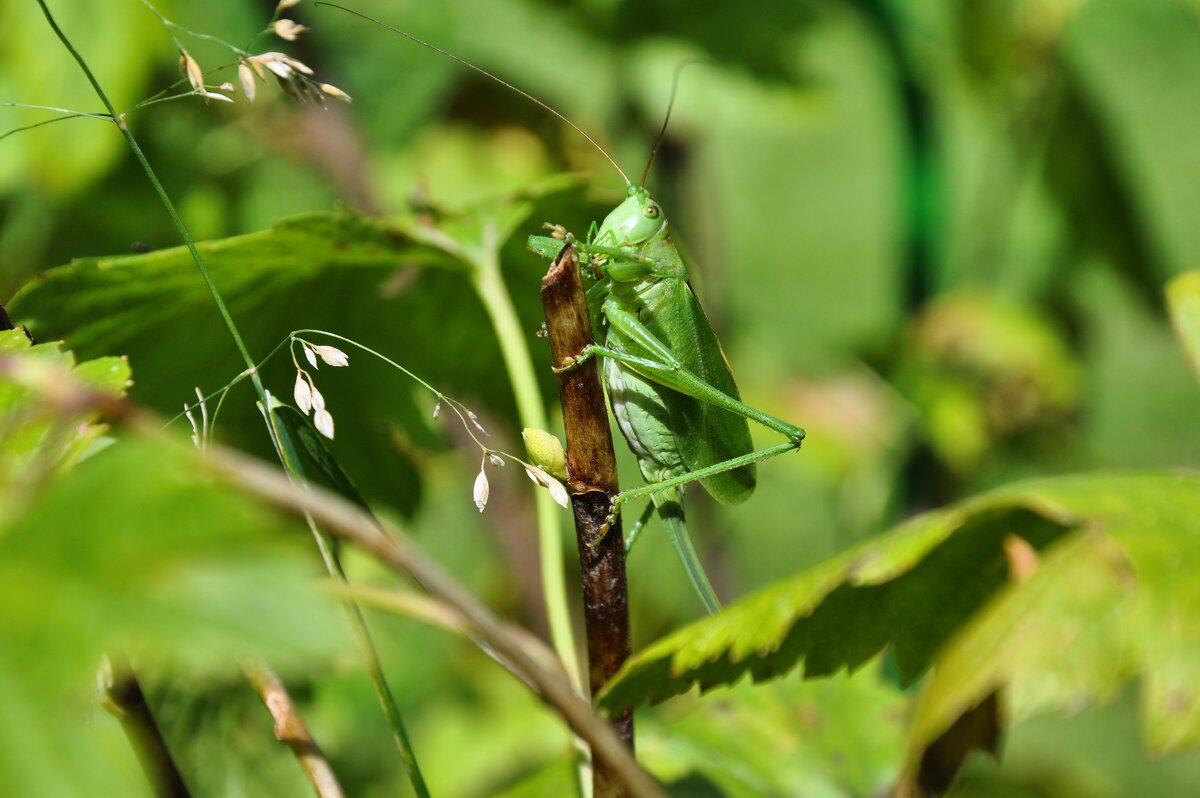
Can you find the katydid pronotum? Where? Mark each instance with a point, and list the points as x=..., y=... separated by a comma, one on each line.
x=668, y=381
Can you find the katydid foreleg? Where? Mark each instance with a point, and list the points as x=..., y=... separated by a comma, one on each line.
x=636, y=530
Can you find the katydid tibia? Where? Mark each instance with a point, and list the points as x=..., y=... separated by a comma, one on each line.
x=668, y=381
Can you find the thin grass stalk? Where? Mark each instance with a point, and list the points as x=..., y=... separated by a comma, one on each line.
x=391, y=710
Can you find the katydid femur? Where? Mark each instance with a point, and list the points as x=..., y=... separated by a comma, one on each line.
x=668, y=382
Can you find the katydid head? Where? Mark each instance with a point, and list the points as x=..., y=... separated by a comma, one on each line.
x=637, y=220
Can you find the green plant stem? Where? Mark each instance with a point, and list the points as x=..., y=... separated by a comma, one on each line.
x=358, y=622
x=162, y=195
x=489, y=285
x=43, y=123
x=71, y=111
x=386, y=699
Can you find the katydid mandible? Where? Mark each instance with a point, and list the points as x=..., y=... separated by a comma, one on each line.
x=667, y=379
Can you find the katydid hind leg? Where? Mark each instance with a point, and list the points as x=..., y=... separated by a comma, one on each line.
x=671, y=374
x=665, y=368
x=652, y=489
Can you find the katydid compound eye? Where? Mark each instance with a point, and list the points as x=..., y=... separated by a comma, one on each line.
x=651, y=211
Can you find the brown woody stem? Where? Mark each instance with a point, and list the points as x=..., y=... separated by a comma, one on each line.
x=592, y=467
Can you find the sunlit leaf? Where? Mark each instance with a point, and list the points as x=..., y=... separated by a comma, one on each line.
x=37, y=438
x=357, y=276
x=940, y=591
x=829, y=737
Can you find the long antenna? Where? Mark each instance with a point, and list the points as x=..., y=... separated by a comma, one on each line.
x=483, y=71
x=687, y=62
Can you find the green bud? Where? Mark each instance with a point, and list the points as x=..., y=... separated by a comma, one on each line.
x=546, y=452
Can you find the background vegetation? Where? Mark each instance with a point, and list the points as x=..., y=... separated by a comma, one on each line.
x=937, y=235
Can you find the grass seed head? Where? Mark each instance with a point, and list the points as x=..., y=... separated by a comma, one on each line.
x=288, y=30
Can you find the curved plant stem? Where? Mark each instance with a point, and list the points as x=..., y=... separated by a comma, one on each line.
x=357, y=621
x=347, y=522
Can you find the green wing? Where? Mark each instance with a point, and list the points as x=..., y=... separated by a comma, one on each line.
x=705, y=435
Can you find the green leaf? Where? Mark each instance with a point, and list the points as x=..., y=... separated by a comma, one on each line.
x=362, y=277
x=312, y=443
x=827, y=738
x=137, y=535
x=136, y=549
x=40, y=438
x=1113, y=599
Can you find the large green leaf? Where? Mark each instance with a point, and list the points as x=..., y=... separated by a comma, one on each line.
x=1114, y=599
x=361, y=277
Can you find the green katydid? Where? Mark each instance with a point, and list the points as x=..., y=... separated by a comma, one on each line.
x=667, y=379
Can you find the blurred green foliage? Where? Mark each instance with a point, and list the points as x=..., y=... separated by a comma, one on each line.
x=123, y=547
x=935, y=234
